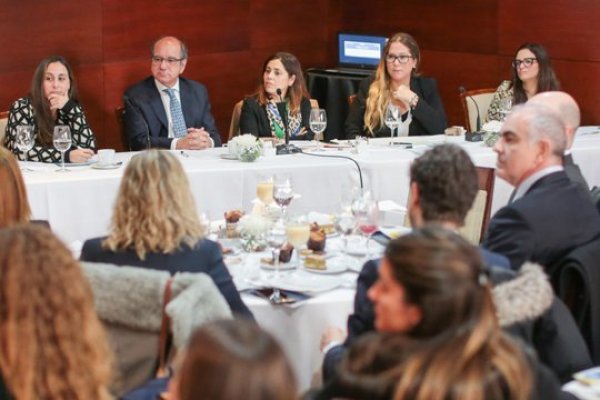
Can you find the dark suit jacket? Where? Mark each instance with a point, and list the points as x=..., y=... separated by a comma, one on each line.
x=254, y=119
x=145, y=114
x=574, y=173
x=204, y=257
x=543, y=226
x=428, y=117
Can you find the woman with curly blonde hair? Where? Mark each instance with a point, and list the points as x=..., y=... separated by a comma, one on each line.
x=52, y=345
x=155, y=225
x=14, y=206
x=397, y=81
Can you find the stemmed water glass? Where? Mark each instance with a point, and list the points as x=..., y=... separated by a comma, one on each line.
x=282, y=194
x=392, y=120
x=318, y=123
x=505, y=107
x=276, y=238
x=345, y=225
x=25, y=140
x=62, y=142
x=366, y=213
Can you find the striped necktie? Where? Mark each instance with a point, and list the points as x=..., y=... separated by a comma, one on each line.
x=179, y=128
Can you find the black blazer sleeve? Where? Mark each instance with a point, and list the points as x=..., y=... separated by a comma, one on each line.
x=354, y=122
x=363, y=317
x=428, y=116
x=305, y=108
x=510, y=234
x=253, y=118
x=200, y=109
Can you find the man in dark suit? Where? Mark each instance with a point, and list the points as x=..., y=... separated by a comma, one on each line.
x=167, y=110
x=549, y=215
x=443, y=187
x=567, y=109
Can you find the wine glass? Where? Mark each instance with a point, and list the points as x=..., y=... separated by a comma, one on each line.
x=392, y=120
x=25, y=140
x=298, y=232
x=367, y=223
x=276, y=239
x=318, y=123
x=505, y=107
x=345, y=225
x=62, y=143
x=283, y=193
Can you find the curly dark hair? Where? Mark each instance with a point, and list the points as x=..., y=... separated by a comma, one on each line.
x=447, y=182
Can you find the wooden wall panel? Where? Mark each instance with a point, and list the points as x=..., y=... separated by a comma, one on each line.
x=458, y=25
x=568, y=29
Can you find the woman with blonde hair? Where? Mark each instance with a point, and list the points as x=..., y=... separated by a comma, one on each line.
x=397, y=82
x=155, y=225
x=438, y=335
x=233, y=359
x=14, y=206
x=52, y=345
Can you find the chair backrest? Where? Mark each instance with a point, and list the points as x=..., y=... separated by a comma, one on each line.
x=119, y=111
x=3, y=122
x=130, y=303
x=576, y=279
x=479, y=215
x=483, y=98
x=234, y=126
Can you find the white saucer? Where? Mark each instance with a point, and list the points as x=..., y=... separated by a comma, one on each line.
x=335, y=265
x=227, y=156
x=282, y=266
x=107, y=166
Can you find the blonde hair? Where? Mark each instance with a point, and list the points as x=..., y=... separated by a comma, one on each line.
x=155, y=210
x=52, y=345
x=379, y=91
x=14, y=207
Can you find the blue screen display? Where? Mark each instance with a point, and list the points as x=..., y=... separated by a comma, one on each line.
x=360, y=50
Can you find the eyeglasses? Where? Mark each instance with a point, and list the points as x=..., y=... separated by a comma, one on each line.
x=170, y=61
x=526, y=62
x=402, y=58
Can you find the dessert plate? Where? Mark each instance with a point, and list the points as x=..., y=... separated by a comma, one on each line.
x=107, y=166
x=336, y=265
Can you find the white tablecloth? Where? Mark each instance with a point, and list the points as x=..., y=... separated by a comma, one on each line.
x=78, y=204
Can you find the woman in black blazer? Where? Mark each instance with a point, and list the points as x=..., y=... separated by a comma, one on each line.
x=260, y=115
x=155, y=225
x=397, y=81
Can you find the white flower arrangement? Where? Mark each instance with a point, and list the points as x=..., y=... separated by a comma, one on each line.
x=492, y=132
x=247, y=147
x=253, y=229
x=254, y=225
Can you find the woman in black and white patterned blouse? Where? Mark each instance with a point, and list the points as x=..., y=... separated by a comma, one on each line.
x=53, y=100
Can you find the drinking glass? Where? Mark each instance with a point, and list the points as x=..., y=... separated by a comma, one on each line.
x=276, y=239
x=298, y=232
x=367, y=223
x=318, y=123
x=283, y=193
x=392, y=120
x=505, y=107
x=264, y=189
x=62, y=143
x=25, y=140
x=345, y=225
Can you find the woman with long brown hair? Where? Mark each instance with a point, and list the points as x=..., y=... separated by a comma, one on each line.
x=52, y=345
x=397, y=81
x=438, y=334
x=282, y=81
x=532, y=73
x=233, y=359
x=53, y=100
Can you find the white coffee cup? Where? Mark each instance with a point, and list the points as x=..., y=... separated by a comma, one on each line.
x=106, y=156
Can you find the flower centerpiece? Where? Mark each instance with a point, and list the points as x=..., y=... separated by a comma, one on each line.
x=247, y=147
x=492, y=132
x=253, y=230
